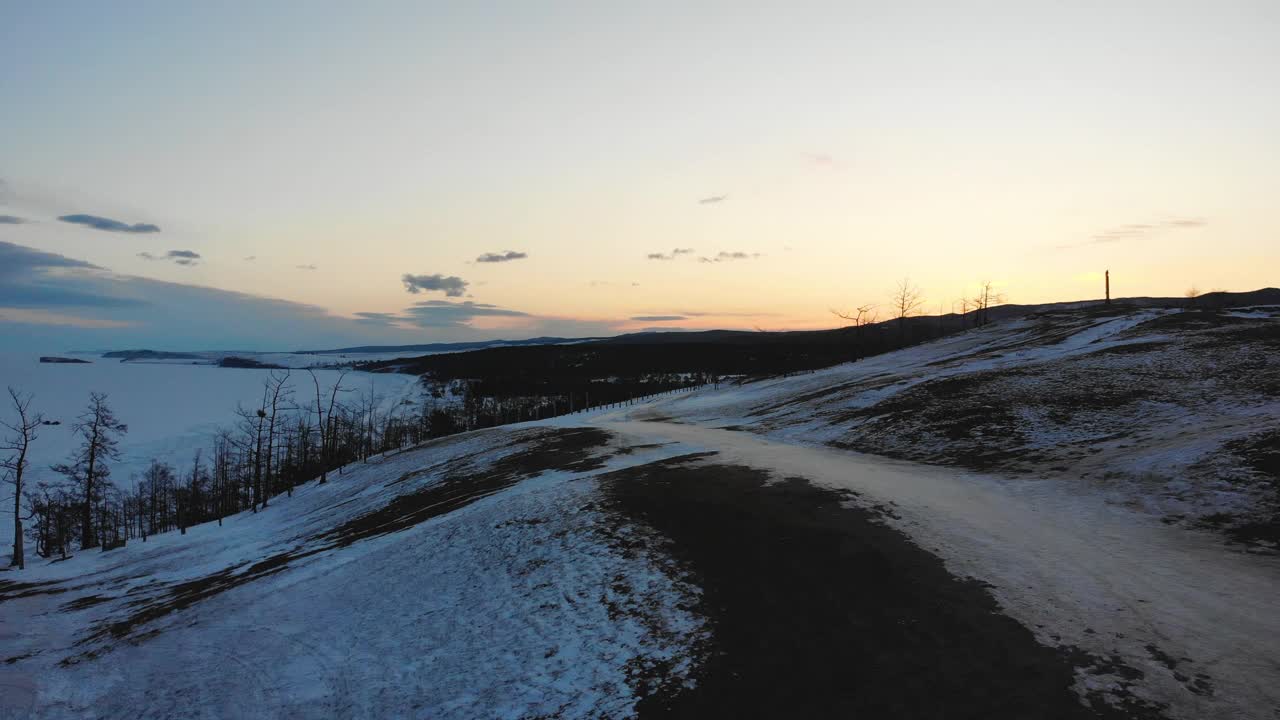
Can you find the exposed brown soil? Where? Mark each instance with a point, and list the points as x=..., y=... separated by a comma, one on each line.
x=83, y=603
x=572, y=450
x=818, y=610
x=12, y=590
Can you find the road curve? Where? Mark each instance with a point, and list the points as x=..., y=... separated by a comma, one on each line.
x=1198, y=620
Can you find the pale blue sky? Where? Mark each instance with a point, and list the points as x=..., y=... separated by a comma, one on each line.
x=1034, y=144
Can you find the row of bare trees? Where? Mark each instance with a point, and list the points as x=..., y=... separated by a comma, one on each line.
x=907, y=301
x=273, y=446
x=16, y=445
x=292, y=434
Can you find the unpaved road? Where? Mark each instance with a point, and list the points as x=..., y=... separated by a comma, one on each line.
x=1200, y=623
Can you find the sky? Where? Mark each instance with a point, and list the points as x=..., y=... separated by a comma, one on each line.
x=290, y=175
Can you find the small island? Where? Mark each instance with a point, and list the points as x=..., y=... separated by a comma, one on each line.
x=63, y=360
x=246, y=363
x=150, y=355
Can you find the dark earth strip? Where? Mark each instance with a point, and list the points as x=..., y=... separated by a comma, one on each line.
x=819, y=610
x=570, y=450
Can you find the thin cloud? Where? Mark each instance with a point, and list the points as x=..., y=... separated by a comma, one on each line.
x=31, y=278
x=507, y=256
x=1138, y=231
x=39, y=316
x=21, y=260
x=13, y=220
x=696, y=313
x=55, y=299
x=377, y=318
x=820, y=159
x=107, y=224
x=179, y=257
x=451, y=286
x=675, y=253
x=438, y=314
x=724, y=256
x=442, y=313
x=714, y=199
x=658, y=318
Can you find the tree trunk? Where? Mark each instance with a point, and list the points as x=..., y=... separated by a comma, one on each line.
x=86, y=516
x=18, y=557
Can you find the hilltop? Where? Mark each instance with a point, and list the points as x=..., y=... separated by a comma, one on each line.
x=1018, y=520
x=1174, y=412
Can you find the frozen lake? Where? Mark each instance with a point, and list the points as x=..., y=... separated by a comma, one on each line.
x=171, y=409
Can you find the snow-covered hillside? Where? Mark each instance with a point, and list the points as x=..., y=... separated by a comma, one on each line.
x=726, y=552
x=402, y=588
x=1174, y=413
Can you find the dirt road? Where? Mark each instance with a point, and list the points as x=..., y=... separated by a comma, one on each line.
x=1181, y=621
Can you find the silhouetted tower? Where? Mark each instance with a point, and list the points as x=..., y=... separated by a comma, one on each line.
x=1107, y=274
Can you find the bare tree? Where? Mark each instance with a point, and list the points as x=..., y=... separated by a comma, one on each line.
x=1192, y=294
x=223, y=486
x=964, y=303
x=21, y=434
x=98, y=429
x=986, y=297
x=188, y=499
x=369, y=417
x=905, y=301
x=324, y=419
x=277, y=388
x=861, y=317
x=249, y=441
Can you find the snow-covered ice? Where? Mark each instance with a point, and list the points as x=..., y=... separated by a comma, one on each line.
x=171, y=409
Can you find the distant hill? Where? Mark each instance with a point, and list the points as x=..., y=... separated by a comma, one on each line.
x=891, y=331
x=248, y=364
x=127, y=355
x=445, y=347
x=921, y=326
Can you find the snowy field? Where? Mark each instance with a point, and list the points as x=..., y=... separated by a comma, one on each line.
x=171, y=409
x=488, y=575
x=402, y=589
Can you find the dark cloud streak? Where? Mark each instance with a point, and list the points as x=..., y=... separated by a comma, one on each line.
x=451, y=286
x=507, y=256
x=179, y=257
x=107, y=224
